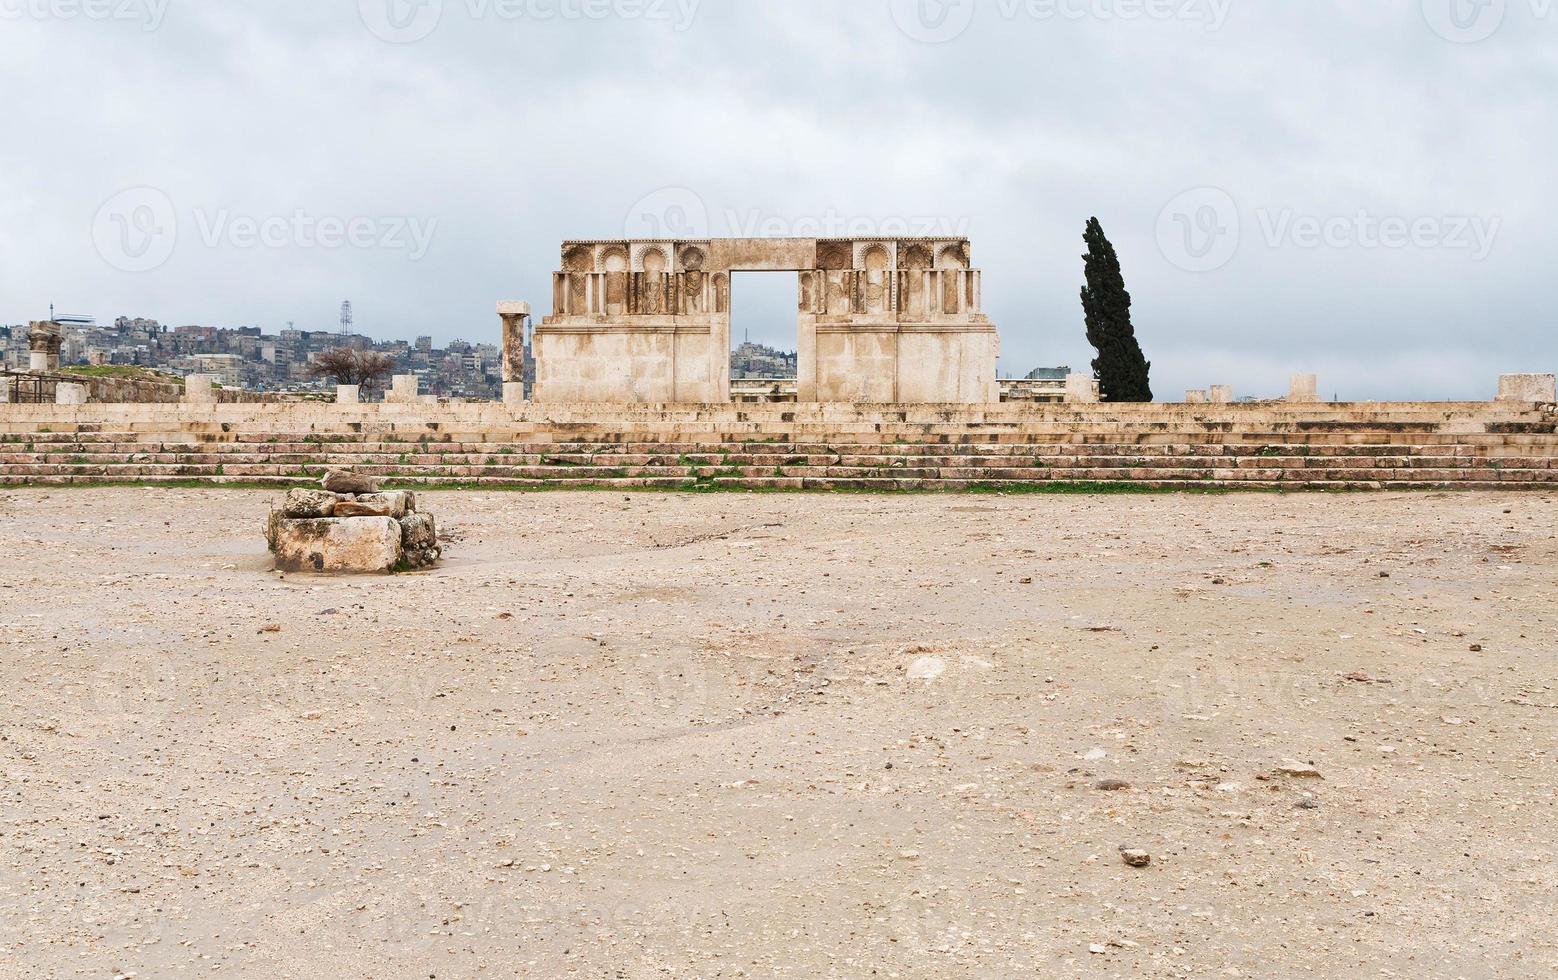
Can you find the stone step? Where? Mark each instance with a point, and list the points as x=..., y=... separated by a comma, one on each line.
x=964, y=467
x=1168, y=470
x=858, y=485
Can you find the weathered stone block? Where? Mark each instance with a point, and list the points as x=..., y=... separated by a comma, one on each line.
x=66, y=393
x=199, y=389
x=302, y=502
x=1304, y=389
x=1542, y=388
x=1196, y=396
x=404, y=390
x=398, y=503
x=368, y=545
x=348, y=394
x=394, y=503
x=1081, y=389
x=1220, y=394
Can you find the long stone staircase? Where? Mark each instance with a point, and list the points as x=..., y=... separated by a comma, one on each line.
x=885, y=448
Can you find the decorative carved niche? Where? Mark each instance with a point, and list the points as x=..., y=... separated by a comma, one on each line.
x=835, y=255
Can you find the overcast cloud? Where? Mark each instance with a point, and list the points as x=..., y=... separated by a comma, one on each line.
x=1370, y=185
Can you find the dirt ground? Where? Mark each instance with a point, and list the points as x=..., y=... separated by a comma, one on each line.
x=784, y=736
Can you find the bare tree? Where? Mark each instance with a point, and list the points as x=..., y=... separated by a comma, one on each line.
x=345, y=366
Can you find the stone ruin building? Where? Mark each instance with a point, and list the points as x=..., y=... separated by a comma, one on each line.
x=878, y=320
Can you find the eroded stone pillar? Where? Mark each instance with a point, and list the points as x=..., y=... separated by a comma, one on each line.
x=1196, y=396
x=1220, y=394
x=348, y=394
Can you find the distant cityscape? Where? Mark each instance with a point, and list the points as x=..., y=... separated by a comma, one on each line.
x=247, y=357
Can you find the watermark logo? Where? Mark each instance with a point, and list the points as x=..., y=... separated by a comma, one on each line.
x=407, y=21
x=136, y=230
x=932, y=21
x=148, y=13
x=1199, y=230
x=401, y=21
x=681, y=214
x=1464, y=21
x=668, y=213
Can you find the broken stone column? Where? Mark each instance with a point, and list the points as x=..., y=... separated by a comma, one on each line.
x=515, y=315
x=67, y=393
x=200, y=389
x=43, y=339
x=348, y=394
x=1220, y=394
x=1539, y=388
x=1304, y=389
x=1081, y=389
x=513, y=392
x=1195, y=396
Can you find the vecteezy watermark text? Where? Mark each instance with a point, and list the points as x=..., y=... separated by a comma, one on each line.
x=939, y=21
x=681, y=213
x=303, y=230
x=406, y=21
x=1202, y=229
x=148, y=13
x=137, y=230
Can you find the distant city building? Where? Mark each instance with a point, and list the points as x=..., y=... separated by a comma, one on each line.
x=1048, y=374
x=248, y=357
x=757, y=361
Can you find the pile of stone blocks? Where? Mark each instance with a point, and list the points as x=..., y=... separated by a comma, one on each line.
x=350, y=526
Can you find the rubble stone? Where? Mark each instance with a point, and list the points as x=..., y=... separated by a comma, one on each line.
x=304, y=502
x=419, y=540
x=342, y=481
x=390, y=503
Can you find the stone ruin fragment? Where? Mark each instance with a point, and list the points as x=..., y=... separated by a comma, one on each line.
x=350, y=526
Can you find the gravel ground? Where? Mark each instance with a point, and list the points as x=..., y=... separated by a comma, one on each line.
x=785, y=736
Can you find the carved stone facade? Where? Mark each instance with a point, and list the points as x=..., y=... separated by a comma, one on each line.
x=878, y=320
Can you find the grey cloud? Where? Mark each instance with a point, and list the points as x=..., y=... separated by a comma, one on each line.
x=512, y=133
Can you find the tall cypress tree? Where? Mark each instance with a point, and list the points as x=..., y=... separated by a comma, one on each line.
x=1120, y=366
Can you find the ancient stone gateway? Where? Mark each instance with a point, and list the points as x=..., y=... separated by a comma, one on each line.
x=879, y=320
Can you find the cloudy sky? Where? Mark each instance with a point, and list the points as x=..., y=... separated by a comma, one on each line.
x=1362, y=190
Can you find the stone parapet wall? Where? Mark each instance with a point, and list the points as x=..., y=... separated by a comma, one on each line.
x=476, y=417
